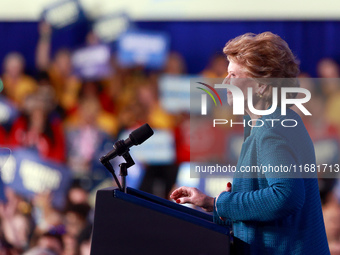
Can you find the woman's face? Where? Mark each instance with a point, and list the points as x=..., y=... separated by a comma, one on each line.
x=238, y=77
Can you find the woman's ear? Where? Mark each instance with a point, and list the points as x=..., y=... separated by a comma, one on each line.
x=262, y=88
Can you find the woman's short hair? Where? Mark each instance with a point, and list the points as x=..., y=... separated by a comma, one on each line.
x=267, y=58
x=264, y=55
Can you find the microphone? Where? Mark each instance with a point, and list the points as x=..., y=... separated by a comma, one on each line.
x=138, y=136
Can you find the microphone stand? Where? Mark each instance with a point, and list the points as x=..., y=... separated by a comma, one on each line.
x=109, y=167
x=123, y=169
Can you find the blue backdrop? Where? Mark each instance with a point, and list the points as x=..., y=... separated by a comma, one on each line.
x=196, y=41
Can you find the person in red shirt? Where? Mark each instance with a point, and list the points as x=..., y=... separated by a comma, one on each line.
x=36, y=128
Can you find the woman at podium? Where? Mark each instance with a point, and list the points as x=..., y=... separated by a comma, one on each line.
x=271, y=212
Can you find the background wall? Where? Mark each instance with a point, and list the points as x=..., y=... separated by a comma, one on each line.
x=197, y=41
x=185, y=10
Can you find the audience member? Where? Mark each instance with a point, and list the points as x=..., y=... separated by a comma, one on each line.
x=17, y=85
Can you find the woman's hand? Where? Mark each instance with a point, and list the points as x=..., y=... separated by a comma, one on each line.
x=193, y=196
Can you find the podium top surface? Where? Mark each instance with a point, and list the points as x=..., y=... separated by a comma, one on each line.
x=167, y=207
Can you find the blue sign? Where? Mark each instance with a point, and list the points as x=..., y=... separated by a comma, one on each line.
x=159, y=149
x=183, y=177
x=27, y=174
x=149, y=49
x=8, y=112
x=233, y=146
x=63, y=14
x=175, y=93
x=5, y=153
x=92, y=62
x=327, y=151
x=109, y=27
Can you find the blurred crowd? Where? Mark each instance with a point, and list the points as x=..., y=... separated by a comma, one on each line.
x=68, y=120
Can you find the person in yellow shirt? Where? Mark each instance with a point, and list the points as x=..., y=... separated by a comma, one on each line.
x=217, y=67
x=89, y=110
x=17, y=85
x=60, y=70
x=156, y=116
x=329, y=85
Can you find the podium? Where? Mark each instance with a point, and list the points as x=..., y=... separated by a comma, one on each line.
x=140, y=223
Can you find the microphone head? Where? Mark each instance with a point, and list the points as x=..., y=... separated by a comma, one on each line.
x=141, y=134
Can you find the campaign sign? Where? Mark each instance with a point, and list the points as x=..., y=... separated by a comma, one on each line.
x=92, y=62
x=63, y=14
x=8, y=112
x=5, y=153
x=100, y=175
x=233, y=146
x=183, y=177
x=159, y=149
x=135, y=172
x=108, y=28
x=149, y=49
x=327, y=151
x=28, y=174
x=210, y=186
x=175, y=93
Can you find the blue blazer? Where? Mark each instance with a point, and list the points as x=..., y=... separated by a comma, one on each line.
x=270, y=213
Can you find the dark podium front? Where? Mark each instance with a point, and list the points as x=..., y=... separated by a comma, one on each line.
x=140, y=223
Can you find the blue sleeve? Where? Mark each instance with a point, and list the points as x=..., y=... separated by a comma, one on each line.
x=283, y=197
x=217, y=219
